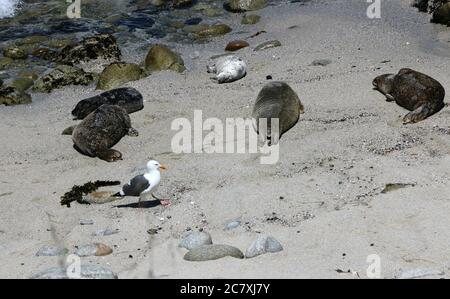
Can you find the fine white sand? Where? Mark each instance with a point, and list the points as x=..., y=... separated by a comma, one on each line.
x=325, y=191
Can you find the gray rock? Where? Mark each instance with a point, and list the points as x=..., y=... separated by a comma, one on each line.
x=87, y=272
x=263, y=245
x=321, y=62
x=212, y=252
x=233, y=224
x=195, y=239
x=105, y=232
x=268, y=45
x=49, y=250
x=86, y=222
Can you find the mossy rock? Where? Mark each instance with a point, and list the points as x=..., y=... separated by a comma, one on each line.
x=5, y=63
x=11, y=96
x=15, y=53
x=117, y=74
x=214, y=30
x=160, y=58
x=22, y=84
x=63, y=75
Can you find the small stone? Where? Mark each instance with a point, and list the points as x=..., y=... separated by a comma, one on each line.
x=195, y=239
x=321, y=62
x=86, y=221
x=87, y=272
x=236, y=45
x=263, y=245
x=268, y=45
x=213, y=30
x=212, y=252
x=97, y=249
x=250, y=19
x=105, y=232
x=15, y=53
x=152, y=231
x=49, y=250
x=245, y=5
x=233, y=224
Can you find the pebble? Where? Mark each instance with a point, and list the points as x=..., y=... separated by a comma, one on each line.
x=268, y=45
x=236, y=45
x=86, y=222
x=263, y=245
x=321, y=62
x=105, y=232
x=195, y=239
x=97, y=249
x=250, y=19
x=233, y=224
x=212, y=252
x=87, y=272
x=50, y=250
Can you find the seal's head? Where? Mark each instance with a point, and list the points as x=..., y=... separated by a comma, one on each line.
x=384, y=83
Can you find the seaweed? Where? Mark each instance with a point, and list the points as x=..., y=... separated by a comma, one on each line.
x=77, y=192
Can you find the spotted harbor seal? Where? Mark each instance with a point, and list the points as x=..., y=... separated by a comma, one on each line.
x=128, y=98
x=417, y=92
x=101, y=130
x=276, y=100
x=228, y=69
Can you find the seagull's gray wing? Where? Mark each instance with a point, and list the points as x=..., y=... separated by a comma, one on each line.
x=136, y=186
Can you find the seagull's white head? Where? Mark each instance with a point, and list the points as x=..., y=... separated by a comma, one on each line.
x=153, y=165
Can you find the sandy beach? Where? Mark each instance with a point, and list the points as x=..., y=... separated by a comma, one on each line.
x=322, y=201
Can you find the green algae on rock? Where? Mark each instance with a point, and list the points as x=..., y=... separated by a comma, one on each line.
x=117, y=74
x=63, y=75
x=9, y=96
x=161, y=58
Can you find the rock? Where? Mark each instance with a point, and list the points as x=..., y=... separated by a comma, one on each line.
x=236, y=45
x=245, y=5
x=195, y=239
x=44, y=53
x=321, y=62
x=86, y=222
x=212, y=252
x=15, y=53
x=417, y=273
x=268, y=45
x=213, y=30
x=233, y=224
x=31, y=40
x=117, y=74
x=250, y=19
x=182, y=3
x=263, y=245
x=128, y=98
x=160, y=58
x=49, y=250
x=105, y=232
x=5, y=62
x=87, y=272
x=395, y=186
x=29, y=74
x=97, y=249
x=22, y=84
x=442, y=15
x=63, y=75
x=11, y=96
x=99, y=46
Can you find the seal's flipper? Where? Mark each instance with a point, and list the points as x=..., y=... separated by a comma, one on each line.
x=68, y=131
x=417, y=115
x=389, y=98
x=110, y=155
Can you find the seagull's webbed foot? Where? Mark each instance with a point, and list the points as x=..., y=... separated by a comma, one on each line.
x=164, y=202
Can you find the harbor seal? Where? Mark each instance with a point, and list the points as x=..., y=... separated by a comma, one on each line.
x=276, y=100
x=128, y=98
x=417, y=92
x=101, y=130
x=228, y=69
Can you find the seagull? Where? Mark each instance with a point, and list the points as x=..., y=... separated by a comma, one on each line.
x=141, y=185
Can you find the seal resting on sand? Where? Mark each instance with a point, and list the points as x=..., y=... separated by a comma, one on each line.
x=276, y=100
x=228, y=69
x=417, y=92
x=101, y=130
x=127, y=97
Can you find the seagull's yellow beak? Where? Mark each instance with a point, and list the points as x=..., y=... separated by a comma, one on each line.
x=162, y=167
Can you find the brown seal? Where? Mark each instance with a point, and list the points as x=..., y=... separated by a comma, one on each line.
x=417, y=92
x=276, y=100
x=101, y=130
